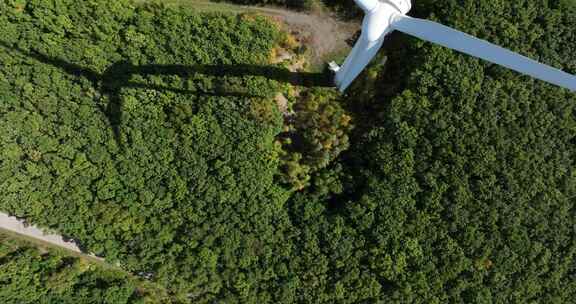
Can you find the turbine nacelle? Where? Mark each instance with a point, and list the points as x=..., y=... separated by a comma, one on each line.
x=379, y=18
x=368, y=6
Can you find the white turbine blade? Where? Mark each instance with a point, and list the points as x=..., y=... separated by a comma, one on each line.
x=367, y=5
x=346, y=65
x=451, y=38
x=359, y=61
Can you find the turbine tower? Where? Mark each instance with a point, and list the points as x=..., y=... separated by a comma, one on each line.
x=383, y=17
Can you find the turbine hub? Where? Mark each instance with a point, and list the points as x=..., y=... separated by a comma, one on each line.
x=403, y=6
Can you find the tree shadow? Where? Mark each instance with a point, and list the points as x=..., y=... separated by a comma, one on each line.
x=118, y=75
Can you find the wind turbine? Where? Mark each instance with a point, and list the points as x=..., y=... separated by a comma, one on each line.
x=383, y=17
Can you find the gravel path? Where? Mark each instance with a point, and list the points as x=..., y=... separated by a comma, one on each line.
x=12, y=224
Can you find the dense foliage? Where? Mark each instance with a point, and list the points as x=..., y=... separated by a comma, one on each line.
x=317, y=134
x=460, y=183
x=29, y=275
x=135, y=131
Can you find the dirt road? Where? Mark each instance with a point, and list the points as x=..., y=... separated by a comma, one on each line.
x=328, y=34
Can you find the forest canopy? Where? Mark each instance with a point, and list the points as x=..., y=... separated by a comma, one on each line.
x=150, y=135
x=122, y=129
x=32, y=275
